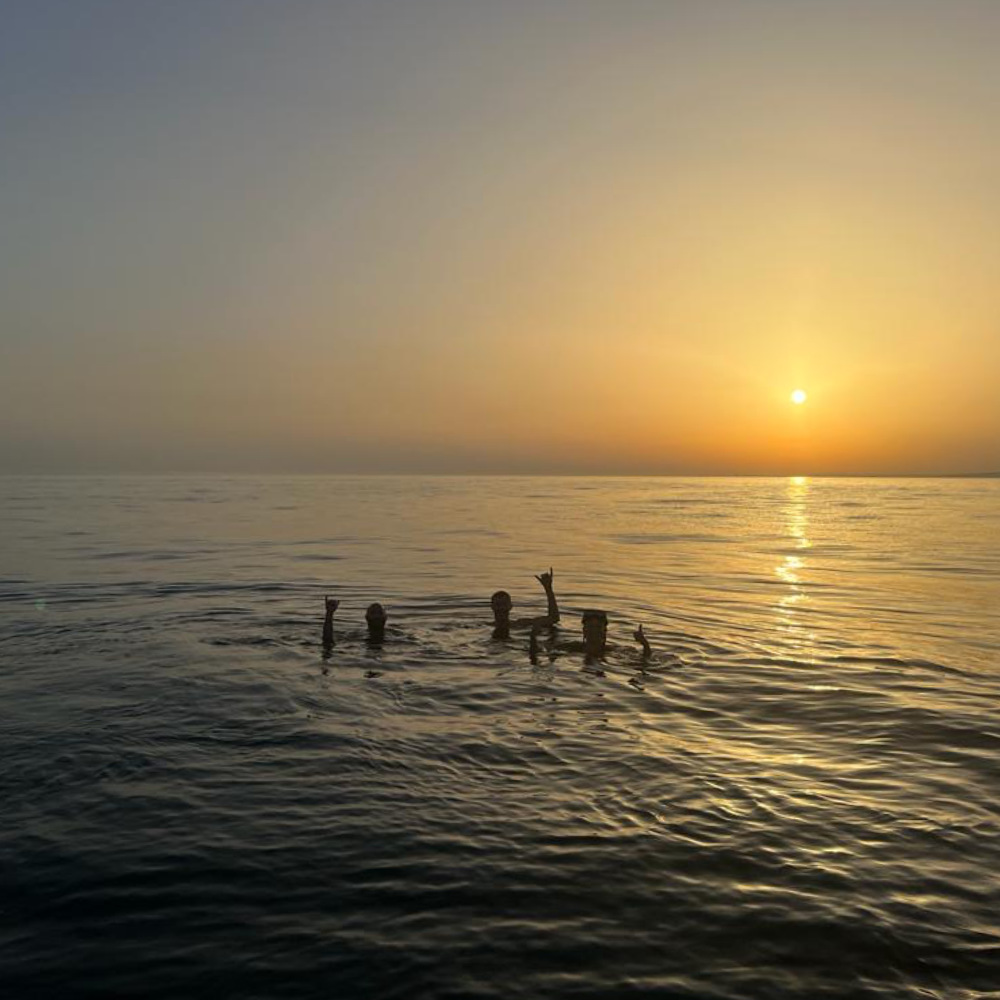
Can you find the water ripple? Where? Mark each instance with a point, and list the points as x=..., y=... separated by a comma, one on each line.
x=795, y=799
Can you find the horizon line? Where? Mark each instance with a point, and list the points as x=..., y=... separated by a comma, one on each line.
x=516, y=475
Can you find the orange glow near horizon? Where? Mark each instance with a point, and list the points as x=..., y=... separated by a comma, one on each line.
x=510, y=242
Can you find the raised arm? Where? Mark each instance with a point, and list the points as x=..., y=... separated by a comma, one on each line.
x=640, y=637
x=545, y=579
x=331, y=607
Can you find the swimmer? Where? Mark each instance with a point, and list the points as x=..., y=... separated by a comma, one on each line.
x=501, y=604
x=375, y=618
x=595, y=636
x=595, y=632
x=595, y=643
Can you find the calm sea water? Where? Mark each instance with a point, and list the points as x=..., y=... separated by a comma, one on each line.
x=800, y=798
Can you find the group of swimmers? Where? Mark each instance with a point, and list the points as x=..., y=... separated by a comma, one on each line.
x=593, y=645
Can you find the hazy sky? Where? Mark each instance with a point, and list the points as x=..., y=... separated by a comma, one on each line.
x=492, y=235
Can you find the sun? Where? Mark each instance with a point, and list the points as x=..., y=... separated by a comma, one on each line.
x=799, y=397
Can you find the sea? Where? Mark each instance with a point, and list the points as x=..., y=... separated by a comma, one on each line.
x=797, y=796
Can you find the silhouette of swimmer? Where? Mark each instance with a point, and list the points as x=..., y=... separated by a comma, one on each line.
x=595, y=643
x=502, y=604
x=375, y=617
x=595, y=632
x=331, y=608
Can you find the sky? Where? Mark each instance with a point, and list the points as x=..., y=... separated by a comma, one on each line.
x=552, y=236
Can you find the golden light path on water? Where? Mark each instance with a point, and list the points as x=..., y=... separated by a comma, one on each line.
x=792, y=568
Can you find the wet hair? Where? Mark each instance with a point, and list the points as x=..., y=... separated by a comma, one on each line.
x=375, y=613
x=501, y=599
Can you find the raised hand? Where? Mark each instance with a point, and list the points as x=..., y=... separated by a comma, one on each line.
x=640, y=637
x=545, y=579
x=331, y=605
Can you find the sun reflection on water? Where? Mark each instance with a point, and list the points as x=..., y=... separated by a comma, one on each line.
x=792, y=567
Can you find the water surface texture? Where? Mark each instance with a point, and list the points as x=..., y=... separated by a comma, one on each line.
x=799, y=799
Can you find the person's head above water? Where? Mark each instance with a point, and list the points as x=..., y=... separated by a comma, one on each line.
x=376, y=617
x=501, y=604
x=595, y=630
